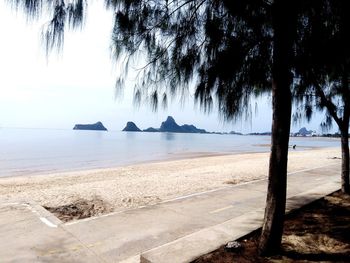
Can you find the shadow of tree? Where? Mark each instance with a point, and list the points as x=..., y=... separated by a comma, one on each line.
x=320, y=256
x=319, y=231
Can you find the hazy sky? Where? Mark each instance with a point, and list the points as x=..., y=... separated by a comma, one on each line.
x=77, y=85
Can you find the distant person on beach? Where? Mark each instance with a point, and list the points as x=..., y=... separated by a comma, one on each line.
x=294, y=146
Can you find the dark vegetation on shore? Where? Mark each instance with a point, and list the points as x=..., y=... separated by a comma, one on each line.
x=318, y=232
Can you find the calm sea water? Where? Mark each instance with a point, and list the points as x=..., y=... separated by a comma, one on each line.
x=38, y=151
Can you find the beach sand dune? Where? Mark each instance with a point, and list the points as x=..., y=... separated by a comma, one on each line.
x=137, y=185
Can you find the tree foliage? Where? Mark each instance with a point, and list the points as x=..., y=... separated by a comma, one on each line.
x=223, y=48
x=322, y=61
x=322, y=68
x=62, y=14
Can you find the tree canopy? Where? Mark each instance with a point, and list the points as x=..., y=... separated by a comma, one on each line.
x=322, y=69
x=322, y=60
x=222, y=48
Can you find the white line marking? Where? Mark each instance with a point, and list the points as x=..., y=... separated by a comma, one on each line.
x=195, y=194
x=305, y=170
x=47, y=222
x=220, y=209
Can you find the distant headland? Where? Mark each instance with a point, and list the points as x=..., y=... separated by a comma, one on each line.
x=169, y=125
x=98, y=126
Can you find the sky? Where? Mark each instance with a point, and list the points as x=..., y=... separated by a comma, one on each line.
x=77, y=85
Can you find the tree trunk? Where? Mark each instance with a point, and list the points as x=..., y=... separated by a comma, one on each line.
x=284, y=23
x=345, y=161
x=344, y=127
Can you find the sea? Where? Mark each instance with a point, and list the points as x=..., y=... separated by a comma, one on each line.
x=45, y=151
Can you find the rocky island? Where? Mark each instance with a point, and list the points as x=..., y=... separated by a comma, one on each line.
x=169, y=125
x=304, y=132
x=98, y=126
x=150, y=129
x=131, y=127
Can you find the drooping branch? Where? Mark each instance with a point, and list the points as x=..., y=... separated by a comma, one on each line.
x=182, y=43
x=332, y=109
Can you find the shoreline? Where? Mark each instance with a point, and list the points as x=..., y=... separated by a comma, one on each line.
x=39, y=153
x=168, y=158
x=120, y=188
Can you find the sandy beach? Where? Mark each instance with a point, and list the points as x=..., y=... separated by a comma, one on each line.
x=137, y=185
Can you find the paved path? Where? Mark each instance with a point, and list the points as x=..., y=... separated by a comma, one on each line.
x=179, y=229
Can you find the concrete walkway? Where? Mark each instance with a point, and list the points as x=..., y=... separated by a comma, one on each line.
x=178, y=230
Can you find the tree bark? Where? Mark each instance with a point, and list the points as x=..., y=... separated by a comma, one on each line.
x=284, y=23
x=344, y=127
x=345, y=161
